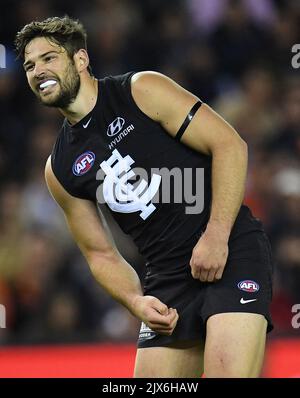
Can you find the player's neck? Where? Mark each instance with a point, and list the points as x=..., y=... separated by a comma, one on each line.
x=85, y=101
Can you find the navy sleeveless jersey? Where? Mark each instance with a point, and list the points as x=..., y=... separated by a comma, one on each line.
x=119, y=157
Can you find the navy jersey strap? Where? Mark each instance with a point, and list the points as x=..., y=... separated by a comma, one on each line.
x=187, y=120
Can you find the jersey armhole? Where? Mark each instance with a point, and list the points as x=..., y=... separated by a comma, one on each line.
x=70, y=192
x=127, y=89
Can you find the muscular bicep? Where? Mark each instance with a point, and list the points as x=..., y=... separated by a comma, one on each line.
x=162, y=99
x=82, y=218
x=168, y=103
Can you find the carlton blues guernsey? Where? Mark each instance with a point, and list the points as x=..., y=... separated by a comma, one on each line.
x=157, y=189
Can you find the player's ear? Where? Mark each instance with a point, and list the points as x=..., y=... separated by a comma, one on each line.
x=81, y=60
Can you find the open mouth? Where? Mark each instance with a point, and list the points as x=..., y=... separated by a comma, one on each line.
x=47, y=85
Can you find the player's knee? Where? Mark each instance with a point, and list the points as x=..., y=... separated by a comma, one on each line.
x=229, y=373
x=224, y=366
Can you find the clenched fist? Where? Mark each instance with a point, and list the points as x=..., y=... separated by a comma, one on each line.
x=155, y=314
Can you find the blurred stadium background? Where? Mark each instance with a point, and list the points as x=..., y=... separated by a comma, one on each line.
x=236, y=56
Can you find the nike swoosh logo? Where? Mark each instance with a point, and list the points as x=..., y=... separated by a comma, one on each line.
x=242, y=301
x=87, y=123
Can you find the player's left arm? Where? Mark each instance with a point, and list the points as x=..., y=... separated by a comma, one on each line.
x=168, y=103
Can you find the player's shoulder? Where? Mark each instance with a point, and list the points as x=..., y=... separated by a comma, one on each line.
x=50, y=178
x=149, y=80
x=61, y=196
x=152, y=92
x=152, y=88
x=139, y=80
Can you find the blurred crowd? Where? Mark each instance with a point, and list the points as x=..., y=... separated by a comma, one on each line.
x=236, y=56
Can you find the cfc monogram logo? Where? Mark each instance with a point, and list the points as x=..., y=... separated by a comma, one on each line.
x=119, y=194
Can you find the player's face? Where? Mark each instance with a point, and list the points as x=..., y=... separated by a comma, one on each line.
x=51, y=74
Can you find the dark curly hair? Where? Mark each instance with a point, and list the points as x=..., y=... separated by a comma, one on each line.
x=64, y=31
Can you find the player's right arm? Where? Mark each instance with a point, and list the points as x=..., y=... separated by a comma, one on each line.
x=109, y=268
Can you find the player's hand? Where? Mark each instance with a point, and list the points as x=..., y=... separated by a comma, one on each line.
x=155, y=314
x=209, y=256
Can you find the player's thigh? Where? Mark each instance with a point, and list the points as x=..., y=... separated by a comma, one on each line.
x=174, y=361
x=235, y=345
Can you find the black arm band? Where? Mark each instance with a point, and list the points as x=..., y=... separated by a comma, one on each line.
x=187, y=120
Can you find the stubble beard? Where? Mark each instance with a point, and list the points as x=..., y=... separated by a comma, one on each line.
x=68, y=89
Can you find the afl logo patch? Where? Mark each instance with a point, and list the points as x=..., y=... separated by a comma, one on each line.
x=83, y=163
x=248, y=286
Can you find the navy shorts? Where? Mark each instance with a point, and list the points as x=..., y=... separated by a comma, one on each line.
x=246, y=286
